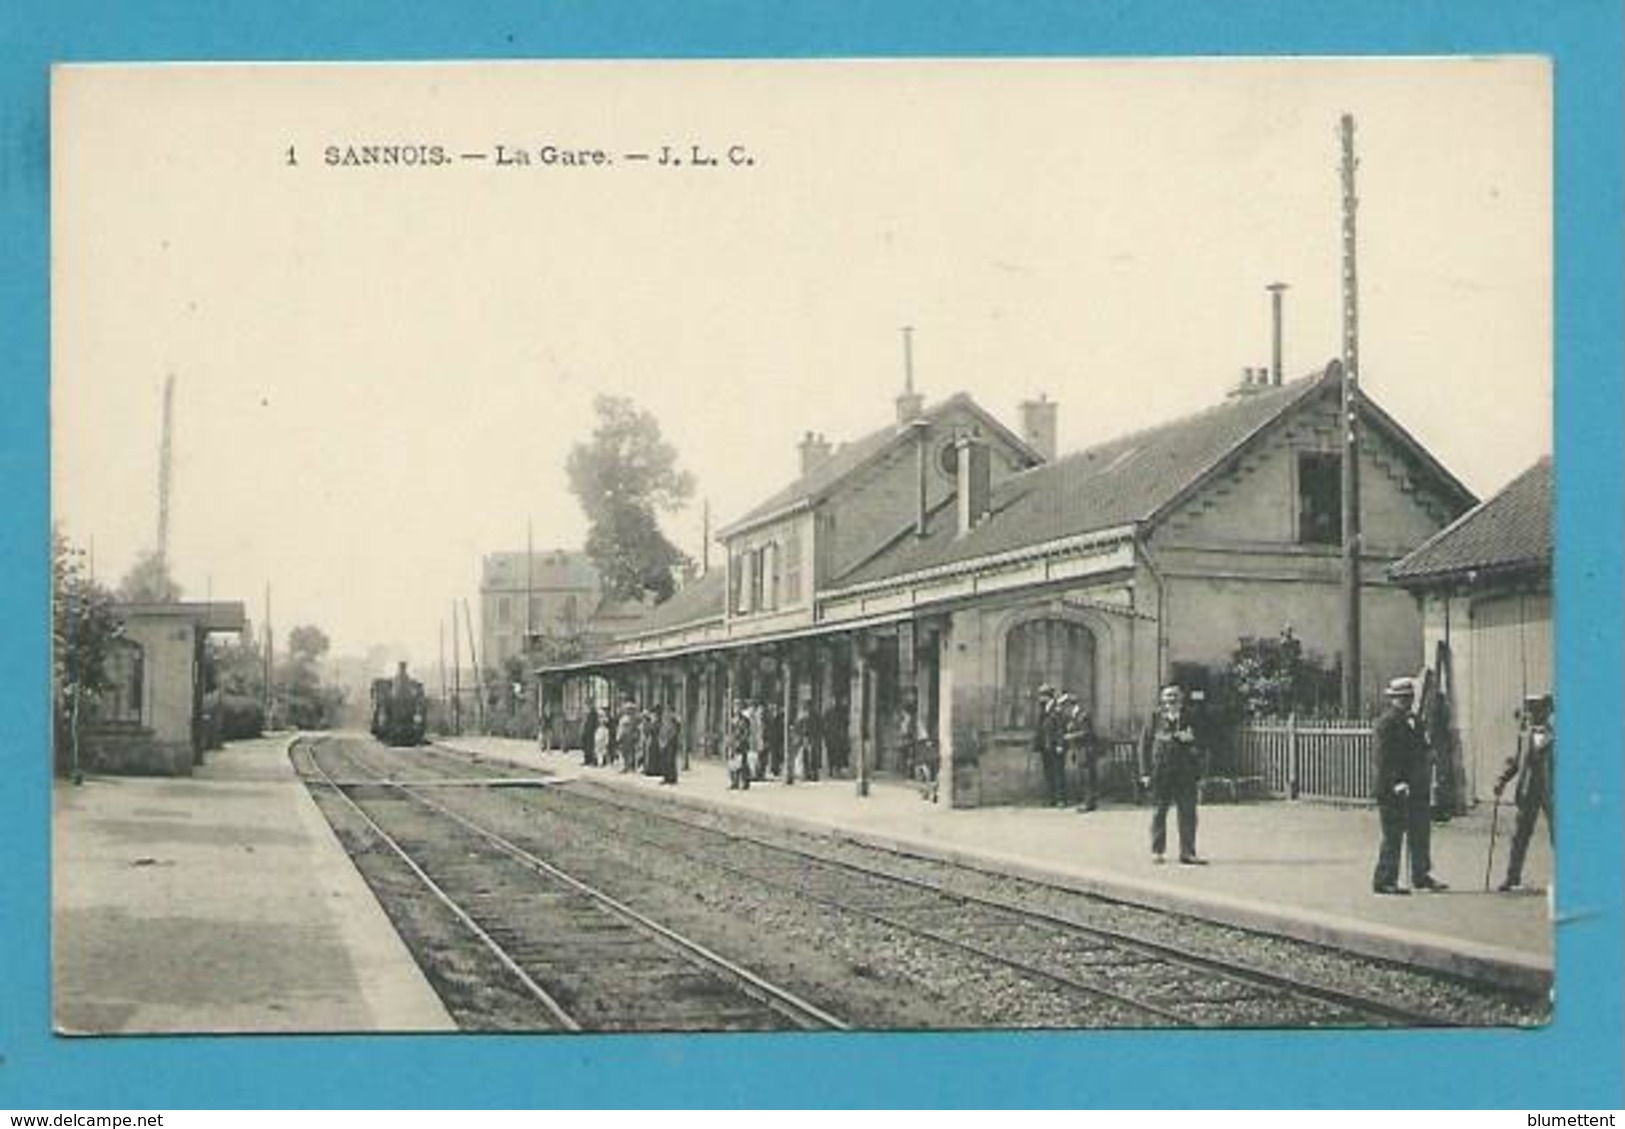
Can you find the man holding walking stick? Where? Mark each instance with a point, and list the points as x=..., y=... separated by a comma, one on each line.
x=1531, y=766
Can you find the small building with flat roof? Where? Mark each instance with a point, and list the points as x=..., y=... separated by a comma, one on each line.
x=152, y=721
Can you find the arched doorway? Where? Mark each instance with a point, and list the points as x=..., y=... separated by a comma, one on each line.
x=1048, y=650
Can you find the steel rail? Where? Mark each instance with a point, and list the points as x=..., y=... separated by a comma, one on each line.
x=1240, y=971
x=782, y=1002
x=552, y=1006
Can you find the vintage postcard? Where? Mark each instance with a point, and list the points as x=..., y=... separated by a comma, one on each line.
x=769, y=546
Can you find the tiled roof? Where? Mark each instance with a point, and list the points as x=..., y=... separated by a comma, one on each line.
x=1510, y=532
x=700, y=600
x=848, y=457
x=1123, y=480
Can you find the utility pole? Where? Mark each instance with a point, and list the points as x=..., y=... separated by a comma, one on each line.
x=456, y=676
x=530, y=583
x=474, y=661
x=1351, y=432
x=265, y=689
x=163, y=477
x=445, y=717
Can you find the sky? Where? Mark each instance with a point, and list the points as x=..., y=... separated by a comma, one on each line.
x=380, y=370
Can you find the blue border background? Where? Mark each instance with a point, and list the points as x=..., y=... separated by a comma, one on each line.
x=1577, y=1062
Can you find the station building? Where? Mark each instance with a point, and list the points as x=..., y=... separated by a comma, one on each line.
x=946, y=565
x=1484, y=586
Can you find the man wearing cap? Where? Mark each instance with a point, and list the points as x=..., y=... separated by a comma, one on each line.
x=1531, y=766
x=1049, y=742
x=1171, y=766
x=1403, y=804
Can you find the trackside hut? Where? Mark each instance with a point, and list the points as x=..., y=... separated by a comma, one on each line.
x=946, y=564
x=1484, y=586
x=151, y=721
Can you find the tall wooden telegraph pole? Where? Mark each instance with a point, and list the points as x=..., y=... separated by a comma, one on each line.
x=1351, y=433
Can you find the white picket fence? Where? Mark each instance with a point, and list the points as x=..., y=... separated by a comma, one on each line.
x=1321, y=760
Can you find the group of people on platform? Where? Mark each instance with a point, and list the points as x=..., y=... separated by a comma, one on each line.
x=640, y=740
x=1170, y=760
x=754, y=743
x=1404, y=776
x=1063, y=732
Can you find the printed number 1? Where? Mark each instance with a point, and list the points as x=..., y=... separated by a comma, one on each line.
x=292, y=160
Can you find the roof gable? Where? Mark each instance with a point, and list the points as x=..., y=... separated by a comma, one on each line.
x=850, y=458
x=1134, y=480
x=1509, y=533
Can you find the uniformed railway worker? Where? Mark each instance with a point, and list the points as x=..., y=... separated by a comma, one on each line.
x=1404, y=806
x=1531, y=767
x=1171, y=766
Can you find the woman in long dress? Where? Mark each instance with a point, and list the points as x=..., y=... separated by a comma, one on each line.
x=666, y=740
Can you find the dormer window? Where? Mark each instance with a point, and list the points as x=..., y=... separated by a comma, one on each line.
x=1320, y=498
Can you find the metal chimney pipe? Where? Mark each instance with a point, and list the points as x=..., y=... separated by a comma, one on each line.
x=1275, y=289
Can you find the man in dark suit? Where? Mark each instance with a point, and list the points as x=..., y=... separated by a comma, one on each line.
x=589, y=732
x=1171, y=766
x=1049, y=741
x=1403, y=804
x=1531, y=766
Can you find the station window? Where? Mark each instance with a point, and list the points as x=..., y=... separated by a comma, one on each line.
x=758, y=579
x=1320, y=498
x=792, y=567
x=736, y=582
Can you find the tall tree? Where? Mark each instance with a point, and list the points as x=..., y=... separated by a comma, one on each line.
x=308, y=641
x=622, y=476
x=149, y=582
x=311, y=702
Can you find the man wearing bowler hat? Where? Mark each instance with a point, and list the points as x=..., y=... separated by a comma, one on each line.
x=1403, y=803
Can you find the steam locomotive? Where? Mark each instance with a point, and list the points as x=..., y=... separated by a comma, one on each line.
x=400, y=710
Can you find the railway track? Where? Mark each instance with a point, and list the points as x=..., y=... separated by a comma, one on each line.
x=1164, y=982
x=1279, y=969
x=1094, y=974
x=584, y=959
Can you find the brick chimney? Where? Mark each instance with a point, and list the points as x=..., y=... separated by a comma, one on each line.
x=1038, y=425
x=814, y=452
x=1253, y=381
x=974, y=470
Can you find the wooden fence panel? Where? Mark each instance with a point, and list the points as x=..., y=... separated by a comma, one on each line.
x=1331, y=761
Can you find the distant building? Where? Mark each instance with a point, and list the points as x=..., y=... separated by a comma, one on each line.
x=152, y=720
x=948, y=565
x=561, y=587
x=1485, y=589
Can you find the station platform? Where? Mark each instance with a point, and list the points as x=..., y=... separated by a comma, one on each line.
x=1294, y=869
x=223, y=902
x=220, y=902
